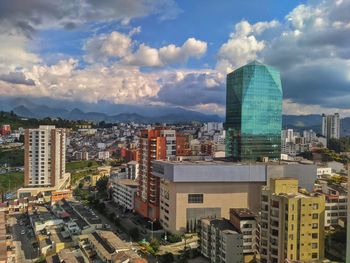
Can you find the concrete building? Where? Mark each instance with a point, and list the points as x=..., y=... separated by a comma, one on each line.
x=105, y=246
x=104, y=155
x=324, y=170
x=331, y=126
x=335, y=202
x=124, y=191
x=44, y=156
x=220, y=242
x=133, y=170
x=190, y=190
x=155, y=144
x=292, y=223
x=244, y=221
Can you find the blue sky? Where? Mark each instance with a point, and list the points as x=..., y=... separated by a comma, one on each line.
x=174, y=53
x=211, y=22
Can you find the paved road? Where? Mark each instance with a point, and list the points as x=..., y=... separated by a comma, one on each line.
x=23, y=243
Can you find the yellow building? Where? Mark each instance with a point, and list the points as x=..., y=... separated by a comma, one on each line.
x=292, y=223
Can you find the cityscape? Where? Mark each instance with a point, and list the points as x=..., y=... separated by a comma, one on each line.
x=160, y=131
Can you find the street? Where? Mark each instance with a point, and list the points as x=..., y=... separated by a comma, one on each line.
x=23, y=243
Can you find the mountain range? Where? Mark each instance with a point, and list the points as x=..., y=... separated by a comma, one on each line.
x=103, y=111
x=108, y=112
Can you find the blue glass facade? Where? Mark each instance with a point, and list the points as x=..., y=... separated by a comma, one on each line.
x=253, y=113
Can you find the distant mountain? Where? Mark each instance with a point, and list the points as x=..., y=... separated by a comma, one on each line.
x=312, y=122
x=109, y=112
x=23, y=111
x=164, y=114
x=302, y=120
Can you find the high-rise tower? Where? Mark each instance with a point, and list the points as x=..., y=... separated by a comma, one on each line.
x=253, y=113
x=44, y=156
x=155, y=144
x=331, y=126
x=292, y=223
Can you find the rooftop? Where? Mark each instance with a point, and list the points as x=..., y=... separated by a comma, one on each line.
x=221, y=224
x=128, y=182
x=242, y=213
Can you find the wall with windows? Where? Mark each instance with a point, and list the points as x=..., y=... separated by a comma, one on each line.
x=183, y=204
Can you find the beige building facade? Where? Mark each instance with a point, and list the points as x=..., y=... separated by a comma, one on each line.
x=187, y=195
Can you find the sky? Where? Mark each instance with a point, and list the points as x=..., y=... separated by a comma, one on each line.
x=175, y=53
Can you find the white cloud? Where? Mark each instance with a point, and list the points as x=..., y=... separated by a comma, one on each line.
x=210, y=108
x=14, y=53
x=191, y=48
x=311, y=47
x=101, y=48
x=118, y=46
x=152, y=57
x=144, y=56
x=66, y=81
x=243, y=46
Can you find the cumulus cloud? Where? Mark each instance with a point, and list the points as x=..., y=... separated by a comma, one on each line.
x=191, y=48
x=313, y=54
x=152, y=57
x=243, y=46
x=17, y=78
x=311, y=47
x=102, y=47
x=14, y=53
x=119, y=46
x=65, y=80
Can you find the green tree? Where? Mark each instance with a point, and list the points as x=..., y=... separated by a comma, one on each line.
x=155, y=244
x=101, y=184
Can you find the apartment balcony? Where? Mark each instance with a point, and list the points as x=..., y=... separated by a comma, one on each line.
x=274, y=245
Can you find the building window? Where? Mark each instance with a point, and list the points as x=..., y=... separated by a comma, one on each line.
x=314, y=216
x=314, y=226
x=195, y=198
x=315, y=206
x=314, y=245
x=314, y=255
x=314, y=235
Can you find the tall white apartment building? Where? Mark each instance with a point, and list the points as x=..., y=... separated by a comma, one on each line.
x=331, y=126
x=44, y=156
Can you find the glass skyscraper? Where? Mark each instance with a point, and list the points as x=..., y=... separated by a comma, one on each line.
x=253, y=113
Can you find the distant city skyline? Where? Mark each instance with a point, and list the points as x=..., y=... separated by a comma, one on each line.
x=165, y=52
